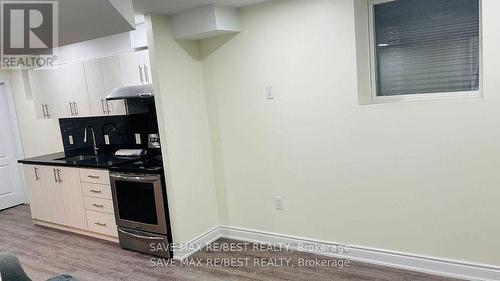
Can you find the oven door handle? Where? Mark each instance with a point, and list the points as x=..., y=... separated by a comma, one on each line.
x=136, y=178
x=140, y=236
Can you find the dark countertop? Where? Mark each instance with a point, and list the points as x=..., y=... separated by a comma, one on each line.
x=100, y=161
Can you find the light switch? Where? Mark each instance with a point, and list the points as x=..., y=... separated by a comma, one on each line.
x=137, y=138
x=269, y=92
x=106, y=139
x=71, y=142
x=278, y=203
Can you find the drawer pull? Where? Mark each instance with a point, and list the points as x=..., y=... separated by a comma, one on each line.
x=93, y=177
x=96, y=191
x=98, y=206
x=100, y=224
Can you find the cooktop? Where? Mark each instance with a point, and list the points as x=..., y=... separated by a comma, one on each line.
x=147, y=165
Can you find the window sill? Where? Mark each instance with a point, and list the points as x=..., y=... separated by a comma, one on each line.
x=476, y=95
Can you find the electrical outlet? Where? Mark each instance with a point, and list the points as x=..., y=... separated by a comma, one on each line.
x=137, y=138
x=71, y=142
x=106, y=139
x=278, y=203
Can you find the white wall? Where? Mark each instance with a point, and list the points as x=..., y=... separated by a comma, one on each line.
x=101, y=47
x=183, y=121
x=38, y=137
x=418, y=177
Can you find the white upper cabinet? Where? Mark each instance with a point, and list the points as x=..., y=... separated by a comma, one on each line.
x=74, y=98
x=79, y=89
x=103, y=76
x=44, y=85
x=60, y=92
x=135, y=68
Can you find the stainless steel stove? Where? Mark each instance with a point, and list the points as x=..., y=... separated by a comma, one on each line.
x=140, y=201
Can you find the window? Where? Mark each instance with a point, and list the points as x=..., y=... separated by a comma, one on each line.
x=425, y=48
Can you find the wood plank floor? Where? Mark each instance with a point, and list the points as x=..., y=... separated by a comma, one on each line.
x=45, y=252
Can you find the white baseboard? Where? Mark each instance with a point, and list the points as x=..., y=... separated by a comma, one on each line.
x=418, y=263
x=188, y=249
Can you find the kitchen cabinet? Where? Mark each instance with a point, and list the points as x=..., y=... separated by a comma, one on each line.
x=79, y=89
x=103, y=76
x=60, y=92
x=44, y=87
x=53, y=204
x=74, y=205
x=135, y=68
x=73, y=92
x=73, y=199
x=56, y=195
x=35, y=190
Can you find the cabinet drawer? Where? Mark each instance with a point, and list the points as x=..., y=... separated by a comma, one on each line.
x=102, y=223
x=96, y=190
x=94, y=176
x=99, y=205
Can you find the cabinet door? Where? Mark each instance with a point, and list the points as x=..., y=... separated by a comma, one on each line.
x=35, y=190
x=73, y=90
x=36, y=91
x=111, y=76
x=95, y=85
x=54, y=201
x=44, y=84
x=74, y=204
x=103, y=76
x=132, y=68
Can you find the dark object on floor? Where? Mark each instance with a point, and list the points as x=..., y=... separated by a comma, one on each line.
x=62, y=278
x=11, y=270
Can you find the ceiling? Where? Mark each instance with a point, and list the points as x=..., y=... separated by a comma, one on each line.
x=169, y=7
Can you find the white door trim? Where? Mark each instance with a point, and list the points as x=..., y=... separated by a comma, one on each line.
x=17, y=133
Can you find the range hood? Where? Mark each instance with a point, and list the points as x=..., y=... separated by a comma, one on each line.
x=132, y=92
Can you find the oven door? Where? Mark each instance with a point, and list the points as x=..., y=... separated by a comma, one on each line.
x=138, y=202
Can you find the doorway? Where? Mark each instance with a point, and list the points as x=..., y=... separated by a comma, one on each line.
x=12, y=192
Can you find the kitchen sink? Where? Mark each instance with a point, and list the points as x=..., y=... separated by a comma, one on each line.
x=101, y=160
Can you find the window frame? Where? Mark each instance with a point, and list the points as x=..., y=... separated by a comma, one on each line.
x=424, y=96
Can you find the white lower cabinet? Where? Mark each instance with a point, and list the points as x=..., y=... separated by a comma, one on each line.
x=58, y=196
x=54, y=200
x=102, y=223
x=36, y=191
x=74, y=205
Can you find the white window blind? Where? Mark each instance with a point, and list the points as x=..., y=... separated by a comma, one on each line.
x=426, y=46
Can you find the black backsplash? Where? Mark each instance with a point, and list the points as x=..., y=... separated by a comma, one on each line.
x=121, y=131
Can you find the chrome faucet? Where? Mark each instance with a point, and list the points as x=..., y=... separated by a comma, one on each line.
x=96, y=149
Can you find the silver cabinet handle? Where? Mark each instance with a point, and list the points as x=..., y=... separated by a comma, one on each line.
x=140, y=74
x=96, y=191
x=75, y=107
x=98, y=206
x=55, y=175
x=59, y=176
x=146, y=73
x=47, y=110
x=107, y=106
x=36, y=173
x=100, y=224
x=93, y=177
x=102, y=105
